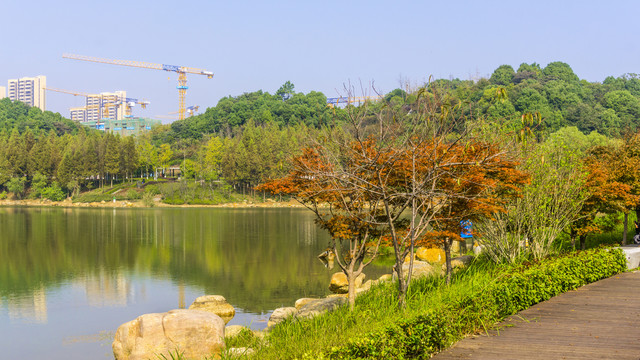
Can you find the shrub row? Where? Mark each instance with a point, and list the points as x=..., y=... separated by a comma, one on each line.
x=514, y=290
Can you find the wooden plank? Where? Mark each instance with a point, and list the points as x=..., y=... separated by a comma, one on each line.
x=598, y=321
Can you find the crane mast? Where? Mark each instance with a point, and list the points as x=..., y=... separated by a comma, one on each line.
x=181, y=70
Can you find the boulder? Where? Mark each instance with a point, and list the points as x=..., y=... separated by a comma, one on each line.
x=455, y=246
x=337, y=296
x=420, y=269
x=316, y=308
x=477, y=248
x=196, y=334
x=385, y=277
x=234, y=330
x=459, y=263
x=214, y=304
x=304, y=301
x=408, y=258
x=365, y=287
x=340, y=285
x=432, y=255
x=259, y=334
x=280, y=314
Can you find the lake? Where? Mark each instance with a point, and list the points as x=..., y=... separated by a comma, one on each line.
x=70, y=276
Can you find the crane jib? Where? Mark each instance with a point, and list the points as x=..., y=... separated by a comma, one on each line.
x=171, y=68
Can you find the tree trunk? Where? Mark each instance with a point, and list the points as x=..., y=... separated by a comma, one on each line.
x=583, y=241
x=624, y=231
x=402, y=288
x=447, y=256
x=351, y=279
x=573, y=234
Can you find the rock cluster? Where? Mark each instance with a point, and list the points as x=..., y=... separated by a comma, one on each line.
x=198, y=332
x=306, y=308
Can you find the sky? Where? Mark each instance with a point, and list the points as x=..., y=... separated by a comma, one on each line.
x=317, y=45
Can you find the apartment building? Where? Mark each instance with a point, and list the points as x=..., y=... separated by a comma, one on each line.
x=3, y=92
x=103, y=106
x=107, y=105
x=78, y=114
x=29, y=90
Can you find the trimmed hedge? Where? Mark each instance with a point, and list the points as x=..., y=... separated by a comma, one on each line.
x=515, y=290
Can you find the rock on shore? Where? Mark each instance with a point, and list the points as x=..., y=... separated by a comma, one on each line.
x=197, y=334
x=340, y=285
x=216, y=304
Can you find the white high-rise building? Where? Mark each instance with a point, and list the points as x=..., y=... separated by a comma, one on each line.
x=3, y=92
x=29, y=90
x=78, y=114
x=107, y=105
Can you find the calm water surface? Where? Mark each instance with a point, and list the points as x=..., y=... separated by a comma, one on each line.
x=69, y=277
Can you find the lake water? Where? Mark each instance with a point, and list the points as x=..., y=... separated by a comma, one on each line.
x=70, y=276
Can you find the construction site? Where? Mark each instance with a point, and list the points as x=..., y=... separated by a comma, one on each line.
x=105, y=111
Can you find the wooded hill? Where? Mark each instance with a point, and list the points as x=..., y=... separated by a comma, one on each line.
x=249, y=138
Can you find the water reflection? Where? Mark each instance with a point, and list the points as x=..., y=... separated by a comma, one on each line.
x=30, y=308
x=258, y=259
x=72, y=273
x=106, y=289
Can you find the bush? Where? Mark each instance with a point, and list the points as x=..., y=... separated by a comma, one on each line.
x=16, y=185
x=147, y=199
x=152, y=189
x=53, y=192
x=517, y=289
x=133, y=195
x=87, y=198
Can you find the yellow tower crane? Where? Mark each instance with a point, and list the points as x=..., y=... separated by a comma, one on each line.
x=181, y=70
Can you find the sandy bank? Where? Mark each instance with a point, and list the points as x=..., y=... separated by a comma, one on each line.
x=140, y=204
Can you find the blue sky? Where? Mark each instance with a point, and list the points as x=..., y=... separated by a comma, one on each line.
x=253, y=45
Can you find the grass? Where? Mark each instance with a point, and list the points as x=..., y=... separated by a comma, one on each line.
x=436, y=314
x=374, y=311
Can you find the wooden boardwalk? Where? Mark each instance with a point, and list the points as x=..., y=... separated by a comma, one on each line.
x=598, y=321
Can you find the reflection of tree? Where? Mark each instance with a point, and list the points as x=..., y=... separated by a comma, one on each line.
x=257, y=258
x=33, y=307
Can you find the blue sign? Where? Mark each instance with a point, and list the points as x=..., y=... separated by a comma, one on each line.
x=466, y=229
x=117, y=128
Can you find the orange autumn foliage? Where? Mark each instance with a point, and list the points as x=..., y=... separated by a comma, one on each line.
x=469, y=180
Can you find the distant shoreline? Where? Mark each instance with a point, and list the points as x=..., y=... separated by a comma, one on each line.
x=140, y=204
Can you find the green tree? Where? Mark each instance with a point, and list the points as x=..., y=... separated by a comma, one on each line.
x=286, y=90
x=16, y=154
x=560, y=71
x=148, y=155
x=38, y=184
x=111, y=155
x=128, y=157
x=16, y=185
x=165, y=155
x=503, y=75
